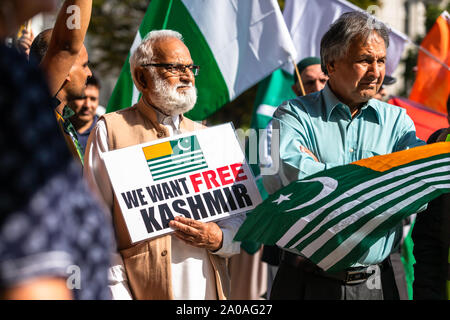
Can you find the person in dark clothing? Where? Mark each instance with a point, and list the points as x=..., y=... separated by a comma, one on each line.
x=431, y=237
x=53, y=239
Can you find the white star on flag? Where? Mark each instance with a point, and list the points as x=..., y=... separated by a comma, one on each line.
x=282, y=198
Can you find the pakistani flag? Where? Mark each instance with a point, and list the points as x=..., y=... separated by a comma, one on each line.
x=174, y=158
x=333, y=217
x=236, y=44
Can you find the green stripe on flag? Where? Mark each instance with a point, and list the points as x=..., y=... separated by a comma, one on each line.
x=177, y=173
x=123, y=91
x=177, y=165
x=335, y=216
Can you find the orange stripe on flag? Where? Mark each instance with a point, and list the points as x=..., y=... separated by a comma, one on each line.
x=157, y=150
x=389, y=161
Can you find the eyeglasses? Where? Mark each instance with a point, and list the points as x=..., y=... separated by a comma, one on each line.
x=175, y=69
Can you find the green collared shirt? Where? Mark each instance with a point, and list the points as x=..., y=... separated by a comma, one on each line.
x=324, y=125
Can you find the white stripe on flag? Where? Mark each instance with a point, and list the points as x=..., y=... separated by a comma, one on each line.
x=173, y=167
x=266, y=110
x=349, y=205
x=177, y=171
x=152, y=162
x=345, y=247
x=255, y=42
x=300, y=224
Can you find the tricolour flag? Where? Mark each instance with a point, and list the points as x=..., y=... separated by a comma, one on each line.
x=175, y=157
x=432, y=84
x=236, y=44
x=333, y=217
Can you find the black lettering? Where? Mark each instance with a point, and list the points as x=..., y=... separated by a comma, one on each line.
x=240, y=192
x=183, y=182
x=130, y=199
x=177, y=207
x=155, y=193
x=230, y=199
x=176, y=189
x=149, y=219
x=197, y=206
x=167, y=192
x=165, y=214
x=216, y=203
x=141, y=197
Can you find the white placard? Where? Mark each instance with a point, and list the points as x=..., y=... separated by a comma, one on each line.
x=202, y=175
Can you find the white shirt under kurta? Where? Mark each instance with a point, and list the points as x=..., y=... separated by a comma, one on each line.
x=192, y=273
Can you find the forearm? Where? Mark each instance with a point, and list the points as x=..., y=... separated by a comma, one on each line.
x=66, y=41
x=70, y=29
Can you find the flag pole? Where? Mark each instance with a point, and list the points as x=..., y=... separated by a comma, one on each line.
x=298, y=77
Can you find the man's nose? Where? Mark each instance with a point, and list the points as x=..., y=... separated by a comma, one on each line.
x=187, y=76
x=89, y=72
x=376, y=69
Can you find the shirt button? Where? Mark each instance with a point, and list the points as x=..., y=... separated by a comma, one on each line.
x=164, y=253
x=351, y=150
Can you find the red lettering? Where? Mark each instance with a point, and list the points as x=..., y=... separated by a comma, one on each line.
x=210, y=176
x=195, y=182
x=223, y=174
x=238, y=172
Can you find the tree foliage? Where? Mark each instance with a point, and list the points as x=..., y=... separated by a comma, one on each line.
x=113, y=26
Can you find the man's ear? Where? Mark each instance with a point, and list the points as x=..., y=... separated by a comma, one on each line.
x=330, y=67
x=140, y=78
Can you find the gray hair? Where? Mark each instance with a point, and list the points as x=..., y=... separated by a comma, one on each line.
x=143, y=54
x=336, y=41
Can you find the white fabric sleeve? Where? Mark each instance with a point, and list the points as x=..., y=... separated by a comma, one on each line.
x=118, y=280
x=97, y=177
x=94, y=167
x=229, y=229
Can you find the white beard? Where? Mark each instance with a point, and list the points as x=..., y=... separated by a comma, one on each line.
x=170, y=101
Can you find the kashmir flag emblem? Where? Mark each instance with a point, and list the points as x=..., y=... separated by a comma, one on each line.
x=174, y=158
x=333, y=217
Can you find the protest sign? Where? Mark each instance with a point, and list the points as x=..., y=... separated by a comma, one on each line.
x=201, y=175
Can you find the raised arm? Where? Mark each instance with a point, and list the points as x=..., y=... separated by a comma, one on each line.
x=66, y=41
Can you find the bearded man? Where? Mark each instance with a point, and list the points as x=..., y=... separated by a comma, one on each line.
x=189, y=264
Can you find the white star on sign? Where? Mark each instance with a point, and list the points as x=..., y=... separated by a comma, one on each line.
x=282, y=198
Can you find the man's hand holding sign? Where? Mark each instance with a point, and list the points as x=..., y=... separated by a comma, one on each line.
x=194, y=185
x=198, y=234
x=176, y=193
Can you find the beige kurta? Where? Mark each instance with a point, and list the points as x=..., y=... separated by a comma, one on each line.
x=148, y=265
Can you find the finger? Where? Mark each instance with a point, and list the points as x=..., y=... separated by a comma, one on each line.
x=183, y=227
x=188, y=221
x=188, y=239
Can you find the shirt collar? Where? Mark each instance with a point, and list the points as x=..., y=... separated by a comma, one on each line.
x=165, y=119
x=331, y=102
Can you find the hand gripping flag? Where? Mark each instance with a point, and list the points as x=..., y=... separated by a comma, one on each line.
x=333, y=217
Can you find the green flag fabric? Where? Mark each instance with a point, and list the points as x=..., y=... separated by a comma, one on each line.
x=272, y=91
x=334, y=216
x=235, y=43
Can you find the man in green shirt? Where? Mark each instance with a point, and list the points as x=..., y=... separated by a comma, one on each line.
x=338, y=125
